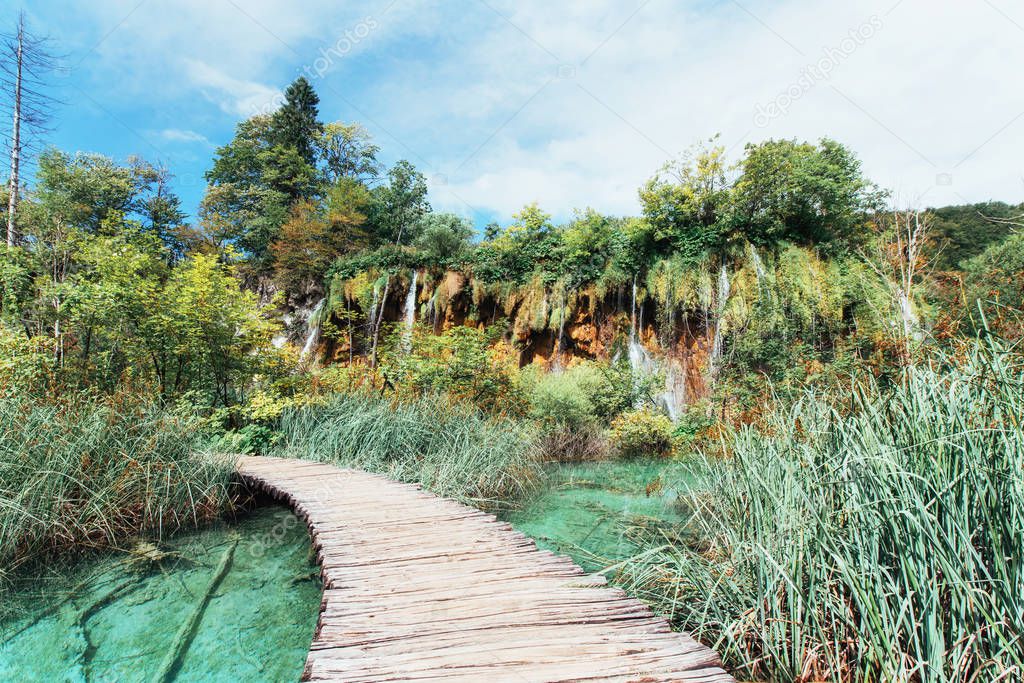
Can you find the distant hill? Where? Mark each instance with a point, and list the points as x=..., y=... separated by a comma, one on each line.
x=962, y=232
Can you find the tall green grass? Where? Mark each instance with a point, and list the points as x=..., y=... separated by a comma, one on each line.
x=451, y=448
x=89, y=472
x=879, y=540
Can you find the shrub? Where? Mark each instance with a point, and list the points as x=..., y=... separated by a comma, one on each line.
x=584, y=394
x=642, y=433
x=562, y=401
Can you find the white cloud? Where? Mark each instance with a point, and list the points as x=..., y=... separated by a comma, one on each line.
x=185, y=136
x=233, y=95
x=576, y=103
x=932, y=83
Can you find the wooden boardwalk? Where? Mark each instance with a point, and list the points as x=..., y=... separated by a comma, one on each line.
x=418, y=588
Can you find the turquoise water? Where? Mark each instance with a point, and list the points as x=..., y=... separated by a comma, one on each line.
x=600, y=513
x=235, y=602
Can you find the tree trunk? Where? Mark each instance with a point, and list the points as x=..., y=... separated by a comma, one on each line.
x=12, y=201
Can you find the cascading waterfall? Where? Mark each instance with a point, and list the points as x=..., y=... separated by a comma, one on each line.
x=559, y=340
x=410, y=313
x=724, y=286
x=312, y=330
x=759, y=271
x=643, y=365
x=755, y=258
x=432, y=307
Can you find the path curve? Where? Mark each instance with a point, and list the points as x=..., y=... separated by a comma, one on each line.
x=419, y=588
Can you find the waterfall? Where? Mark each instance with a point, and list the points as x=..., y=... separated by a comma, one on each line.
x=312, y=330
x=556, y=354
x=410, y=313
x=755, y=258
x=632, y=315
x=675, y=390
x=723, y=298
x=373, y=307
x=643, y=365
x=759, y=271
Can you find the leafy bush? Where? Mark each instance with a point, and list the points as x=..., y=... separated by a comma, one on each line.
x=585, y=393
x=880, y=540
x=642, y=433
x=996, y=279
x=458, y=363
x=562, y=400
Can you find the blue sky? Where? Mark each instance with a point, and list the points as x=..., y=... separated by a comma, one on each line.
x=570, y=104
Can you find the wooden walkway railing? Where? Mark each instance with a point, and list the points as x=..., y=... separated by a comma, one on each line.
x=418, y=588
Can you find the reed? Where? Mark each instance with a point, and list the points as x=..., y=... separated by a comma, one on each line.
x=451, y=448
x=882, y=539
x=85, y=473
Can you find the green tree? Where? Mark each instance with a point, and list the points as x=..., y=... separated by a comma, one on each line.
x=316, y=235
x=209, y=337
x=295, y=125
x=803, y=193
x=253, y=185
x=685, y=202
x=347, y=151
x=443, y=239
x=398, y=205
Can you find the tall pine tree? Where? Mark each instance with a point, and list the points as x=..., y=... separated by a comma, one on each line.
x=295, y=124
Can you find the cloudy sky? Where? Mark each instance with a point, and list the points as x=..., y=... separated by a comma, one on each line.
x=569, y=103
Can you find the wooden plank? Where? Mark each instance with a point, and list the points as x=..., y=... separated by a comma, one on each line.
x=419, y=588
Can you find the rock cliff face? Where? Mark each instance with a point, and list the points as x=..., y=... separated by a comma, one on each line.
x=552, y=329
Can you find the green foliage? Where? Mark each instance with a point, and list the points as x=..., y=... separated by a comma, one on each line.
x=959, y=233
x=996, y=286
x=295, y=125
x=315, y=235
x=397, y=206
x=457, y=363
x=513, y=255
x=253, y=183
x=685, y=202
x=878, y=539
x=451, y=448
x=443, y=239
x=563, y=399
x=642, y=433
x=212, y=337
x=804, y=193
x=348, y=151
x=94, y=472
x=83, y=191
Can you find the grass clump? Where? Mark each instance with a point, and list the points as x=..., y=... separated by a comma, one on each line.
x=880, y=541
x=450, y=447
x=88, y=472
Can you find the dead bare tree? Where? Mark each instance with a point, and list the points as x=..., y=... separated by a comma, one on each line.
x=25, y=64
x=900, y=263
